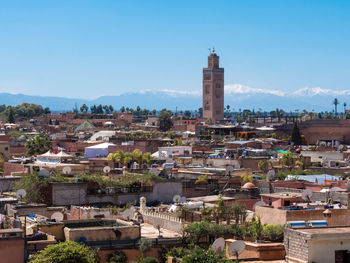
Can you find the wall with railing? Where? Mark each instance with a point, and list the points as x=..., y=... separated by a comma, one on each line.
x=163, y=220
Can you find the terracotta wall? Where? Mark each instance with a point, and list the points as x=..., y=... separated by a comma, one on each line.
x=12, y=250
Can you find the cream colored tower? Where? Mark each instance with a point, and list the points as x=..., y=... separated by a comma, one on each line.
x=213, y=89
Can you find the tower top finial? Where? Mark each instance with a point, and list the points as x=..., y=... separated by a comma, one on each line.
x=213, y=49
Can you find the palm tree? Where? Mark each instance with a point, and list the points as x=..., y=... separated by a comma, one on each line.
x=119, y=157
x=147, y=158
x=136, y=155
x=335, y=102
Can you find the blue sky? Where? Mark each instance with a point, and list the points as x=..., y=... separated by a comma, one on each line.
x=85, y=49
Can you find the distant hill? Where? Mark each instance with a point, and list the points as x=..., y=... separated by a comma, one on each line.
x=237, y=96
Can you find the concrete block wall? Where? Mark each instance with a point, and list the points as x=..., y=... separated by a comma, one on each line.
x=296, y=244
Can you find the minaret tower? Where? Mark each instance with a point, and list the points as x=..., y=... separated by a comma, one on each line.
x=213, y=89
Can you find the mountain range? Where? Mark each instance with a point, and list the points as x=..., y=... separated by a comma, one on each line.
x=236, y=95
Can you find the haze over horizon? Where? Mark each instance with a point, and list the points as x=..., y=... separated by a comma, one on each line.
x=86, y=49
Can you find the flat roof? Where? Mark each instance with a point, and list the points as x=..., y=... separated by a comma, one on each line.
x=209, y=198
x=283, y=195
x=325, y=233
x=326, y=230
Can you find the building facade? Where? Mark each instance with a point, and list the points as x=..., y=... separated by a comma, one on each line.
x=213, y=89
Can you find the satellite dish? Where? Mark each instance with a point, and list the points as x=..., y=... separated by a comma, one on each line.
x=211, y=162
x=58, y=216
x=219, y=245
x=21, y=193
x=176, y=198
x=340, y=147
x=237, y=166
x=271, y=175
x=106, y=169
x=260, y=203
x=183, y=199
x=348, y=186
x=236, y=248
x=44, y=173
x=67, y=170
x=306, y=195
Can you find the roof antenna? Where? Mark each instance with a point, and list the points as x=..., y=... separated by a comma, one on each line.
x=213, y=49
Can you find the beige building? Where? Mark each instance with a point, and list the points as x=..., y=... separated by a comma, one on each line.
x=213, y=89
x=330, y=244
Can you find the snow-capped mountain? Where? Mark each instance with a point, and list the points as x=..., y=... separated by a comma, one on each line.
x=236, y=95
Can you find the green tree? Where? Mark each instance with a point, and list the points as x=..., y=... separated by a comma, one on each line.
x=273, y=233
x=117, y=257
x=93, y=109
x=200, y=255
x=164, y=120
x=106, y=109
x=84, y=108
x=344, y=104
x=111, y=109
x=256, y=229
x=263, y=166
x=10, y=117
x=66, y=252
x=47, y=110
x=200, y=112
x=296, y=136
x=287, y=159
x=145, y=245
x=27, y=110
x=34, y=187
x=38, y=144
x=187, y=113
x=99, y=109
x=147, y=158
x=335, y=103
